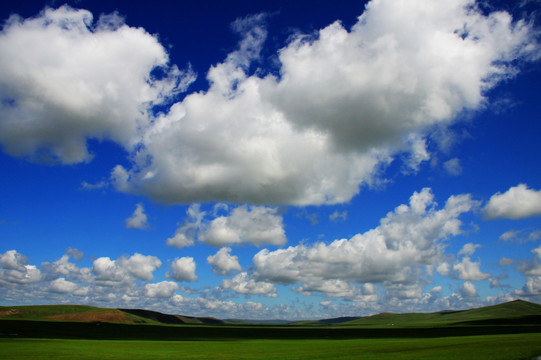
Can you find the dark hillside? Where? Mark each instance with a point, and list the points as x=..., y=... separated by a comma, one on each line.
x=82, y=313
x=172, y=319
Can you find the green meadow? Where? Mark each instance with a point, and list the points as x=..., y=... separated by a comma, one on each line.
x=508, y=347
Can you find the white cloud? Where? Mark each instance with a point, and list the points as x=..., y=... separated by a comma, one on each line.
x=141, y=266
x=185, y=235
x=407, y=238
x=521, y=236
x=468, y=249
x=516, y=203
x=332, y=287
x=61, y=285
x=124, y=270
x=12, y=260
x=183, y=269
x=505, y=261
x=243, y=284
x=508, y=235
x=163, y=289
x=444, y=269
x=64, y=79
x=468, y=289
x=532, y=271
x=257, y=225
x=417, y=153
x=305, y=139
x=223, y=263
x=468, y=270
x=64, y=267
x=453, y=167
x=138, y=220
x=15, y=270
x=77, y=255
x=537, y=251
x=337, y=215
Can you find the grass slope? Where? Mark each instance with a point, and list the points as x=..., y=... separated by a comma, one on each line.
x=511, y=313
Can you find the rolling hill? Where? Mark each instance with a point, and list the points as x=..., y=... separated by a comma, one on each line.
x=87, y=322
x=516, y=312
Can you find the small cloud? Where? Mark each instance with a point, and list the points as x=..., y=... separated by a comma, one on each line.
x=185, y=234
x=63, y=286
x=468, y=249
x=469, y=270
x=257, y=225
x=468, y=289
x=521, y=236
x=444, y=269
x=505, y=261
x=88, y=186
x=516, y=203
x=453, y=167
x=416, y=155
x=312, y=217
x=138, y=220
x=338, y=216
x=163, y=289
x=223, y=262
x=509, y=235
x=76, y=254
x=243, y=284
x=183, y=269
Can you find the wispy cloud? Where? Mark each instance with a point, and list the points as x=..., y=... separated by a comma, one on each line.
x=138, y=220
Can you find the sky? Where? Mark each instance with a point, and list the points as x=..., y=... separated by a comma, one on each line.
x=270, y=159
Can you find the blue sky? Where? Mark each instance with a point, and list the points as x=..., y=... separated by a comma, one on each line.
x=270, y=159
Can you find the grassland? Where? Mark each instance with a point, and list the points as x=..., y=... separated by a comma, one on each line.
x=508, y=347
x=507, y=331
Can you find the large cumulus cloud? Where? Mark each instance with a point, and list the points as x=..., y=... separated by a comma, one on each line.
x=339, y=106
x=65, y=78
x=344, y=103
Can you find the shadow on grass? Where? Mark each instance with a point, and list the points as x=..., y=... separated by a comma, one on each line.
x=109, y=331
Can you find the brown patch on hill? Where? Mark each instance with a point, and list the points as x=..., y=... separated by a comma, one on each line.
x=110, y=316
x=9, y=312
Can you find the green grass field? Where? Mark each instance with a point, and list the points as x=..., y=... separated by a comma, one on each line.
x=508, y=347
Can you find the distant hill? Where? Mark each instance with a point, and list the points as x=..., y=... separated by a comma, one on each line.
x=82, y=313
x=514, y=312
x=257, y=322
x=517, y=312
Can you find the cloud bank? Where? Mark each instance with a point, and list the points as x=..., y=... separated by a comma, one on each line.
x=409, y=238
x=388, y=267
